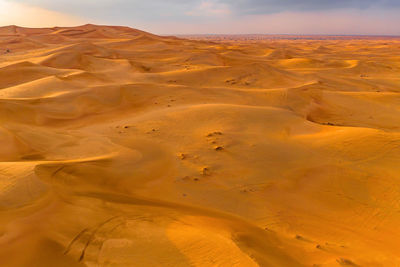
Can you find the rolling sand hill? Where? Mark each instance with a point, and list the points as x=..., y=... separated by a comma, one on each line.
x=123, y=148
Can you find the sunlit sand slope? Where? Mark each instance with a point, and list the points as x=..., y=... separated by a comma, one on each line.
x=123, y=148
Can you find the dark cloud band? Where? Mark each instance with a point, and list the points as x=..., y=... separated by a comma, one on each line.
x=273, y=6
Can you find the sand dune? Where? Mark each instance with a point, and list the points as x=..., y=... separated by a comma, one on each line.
x=123, y=148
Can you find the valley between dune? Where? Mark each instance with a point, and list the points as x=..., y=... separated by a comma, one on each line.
x=124, y=148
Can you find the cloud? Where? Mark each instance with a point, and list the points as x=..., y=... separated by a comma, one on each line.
x=338, y=22
x=31, y=16
x=210, y=8
x=185, y=9
x=119, y=10
x=243, y=7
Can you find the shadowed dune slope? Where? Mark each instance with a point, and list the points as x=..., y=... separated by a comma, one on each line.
x=123, y=148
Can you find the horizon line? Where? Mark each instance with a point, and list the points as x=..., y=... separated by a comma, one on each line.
x=290, y=34
x=214, y=34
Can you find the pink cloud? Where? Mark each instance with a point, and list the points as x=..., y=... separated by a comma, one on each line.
x=210, y=8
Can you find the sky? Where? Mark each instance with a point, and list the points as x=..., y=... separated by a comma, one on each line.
x=373, y=17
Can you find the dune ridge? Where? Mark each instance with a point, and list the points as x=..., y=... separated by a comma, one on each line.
x=124, y=148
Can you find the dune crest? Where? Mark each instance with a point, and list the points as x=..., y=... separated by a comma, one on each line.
x=124, y=148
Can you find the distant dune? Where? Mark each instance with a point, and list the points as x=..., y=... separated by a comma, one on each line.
x=124, y=148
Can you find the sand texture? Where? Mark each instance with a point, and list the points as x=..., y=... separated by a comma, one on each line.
x=123, y=148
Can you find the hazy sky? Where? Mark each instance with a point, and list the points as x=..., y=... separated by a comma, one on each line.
x=213, y=16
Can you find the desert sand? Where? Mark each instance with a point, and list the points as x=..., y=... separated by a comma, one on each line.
x=123, y=148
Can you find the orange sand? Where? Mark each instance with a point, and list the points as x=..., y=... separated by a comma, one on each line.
x=122, y=148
